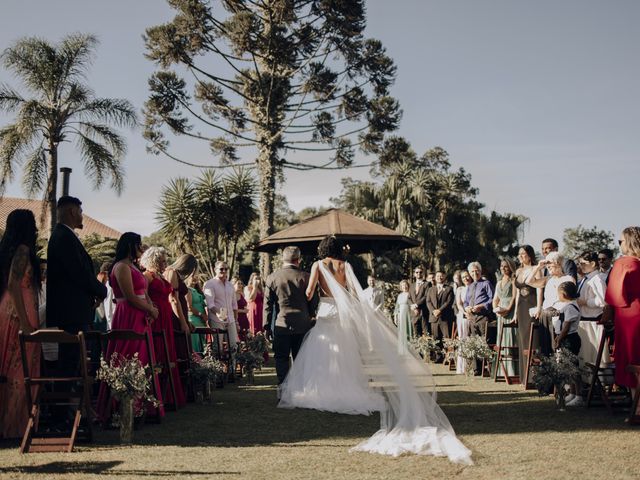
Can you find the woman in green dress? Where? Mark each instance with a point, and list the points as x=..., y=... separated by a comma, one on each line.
x=197, y=312
x=503, y=305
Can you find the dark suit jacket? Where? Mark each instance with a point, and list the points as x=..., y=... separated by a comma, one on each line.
x=286, y=300
x=443, y=301
x=72, y=286
x=420, y=299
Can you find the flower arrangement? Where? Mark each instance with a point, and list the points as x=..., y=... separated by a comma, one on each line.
x=129, y=382
x=425, y=345
x=556, y=370
x=251, y=354
x=204, y=367
x=126, y=377
x=474, y=347
x=450, y=347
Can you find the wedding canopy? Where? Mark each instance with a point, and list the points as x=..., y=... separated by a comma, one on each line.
x=361, y=235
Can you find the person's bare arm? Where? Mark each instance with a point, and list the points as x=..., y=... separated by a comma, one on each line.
x=172, y=277
x=313, y=281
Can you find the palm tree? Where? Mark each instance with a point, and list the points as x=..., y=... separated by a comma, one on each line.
x=60, y=106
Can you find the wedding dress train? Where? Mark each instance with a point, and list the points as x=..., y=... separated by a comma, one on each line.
x=349, y=363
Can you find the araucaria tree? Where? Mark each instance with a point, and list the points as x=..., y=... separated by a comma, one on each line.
x=275, y=75
x=60, y=106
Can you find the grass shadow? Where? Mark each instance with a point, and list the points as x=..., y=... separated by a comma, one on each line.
x=102, y=468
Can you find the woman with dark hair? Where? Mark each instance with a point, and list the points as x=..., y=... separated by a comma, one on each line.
x=134, y=310
x=526, y=299
x=176, y=274
x=19, y=287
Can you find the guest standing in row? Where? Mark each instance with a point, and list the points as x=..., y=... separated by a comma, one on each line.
x=503, y=305
x=134, y=311
x=477, y=305
x=243, y=320
x=374, y=294
x=154, y=262
x=176, y=274
x=418, y=295
x=402, y=317
x=623, y=295
x=72, y=289
x=255, y=303
x=526, y=300
x=19, y=287
x=463, y=326
x=197, y=312
x=222, y=304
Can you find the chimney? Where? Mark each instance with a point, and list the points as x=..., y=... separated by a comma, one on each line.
x=66, y=173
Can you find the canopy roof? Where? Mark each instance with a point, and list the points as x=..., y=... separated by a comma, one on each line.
x=361, y=235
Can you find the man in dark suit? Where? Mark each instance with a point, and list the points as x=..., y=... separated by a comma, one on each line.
x=440, y=299
x=418, y=296
x=72, y=287
x=286, y=310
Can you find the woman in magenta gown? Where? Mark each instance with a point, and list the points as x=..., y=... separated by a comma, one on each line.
x=133, y=311
x=19, y=284
x=243, y=320
x=154, y=261
x=255, y=299
x=623, y=294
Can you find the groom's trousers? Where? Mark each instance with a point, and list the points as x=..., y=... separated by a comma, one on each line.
x=285, y=345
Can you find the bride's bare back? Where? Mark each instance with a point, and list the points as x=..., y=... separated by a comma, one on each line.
x=336, y=267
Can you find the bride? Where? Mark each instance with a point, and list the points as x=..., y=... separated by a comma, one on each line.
x=349, y=363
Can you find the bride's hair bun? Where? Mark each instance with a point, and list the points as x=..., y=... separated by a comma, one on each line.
x=331, y=246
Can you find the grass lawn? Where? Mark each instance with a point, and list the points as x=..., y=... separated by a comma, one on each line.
x=513, y=435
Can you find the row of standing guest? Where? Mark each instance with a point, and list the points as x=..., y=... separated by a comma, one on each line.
x=134, y=293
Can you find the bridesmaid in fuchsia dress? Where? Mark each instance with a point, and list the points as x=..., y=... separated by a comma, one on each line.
x=154, y=260
x=133, y=310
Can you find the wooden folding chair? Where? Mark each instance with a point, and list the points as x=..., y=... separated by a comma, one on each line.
x=75, y=395
x=530, y=355
x=486, y=363
x=183, y=361
x=603, y=379
x=223, y=352
x=511, y=355
x=164, y=369
x=133, y=336
x=634, y=417
x=95, y=350
x=216, y=349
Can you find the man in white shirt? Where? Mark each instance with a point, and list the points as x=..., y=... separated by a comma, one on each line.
x=591, y=288
x=222, y=303
x=374, y=295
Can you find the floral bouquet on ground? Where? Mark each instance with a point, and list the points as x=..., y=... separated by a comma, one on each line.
x=474, y=347
x=130, y=384
x=425, y=345
x=556, y=370
x=205, y=367
x=126, y=377
x=250, y=354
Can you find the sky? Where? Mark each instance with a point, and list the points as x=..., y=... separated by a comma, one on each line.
x=538, y=101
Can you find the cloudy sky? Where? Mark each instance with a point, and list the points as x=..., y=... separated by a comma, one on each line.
x=539, y=101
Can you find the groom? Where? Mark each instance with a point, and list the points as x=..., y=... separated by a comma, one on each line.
x=286, y=309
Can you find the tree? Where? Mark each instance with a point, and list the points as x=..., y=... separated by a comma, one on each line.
x=580, y=239
x=61, y=106
x=422, y=197
x=208, y=216
x=274, y=75
x=100, y=249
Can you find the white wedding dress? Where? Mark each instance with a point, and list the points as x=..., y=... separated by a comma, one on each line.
x=349, y=363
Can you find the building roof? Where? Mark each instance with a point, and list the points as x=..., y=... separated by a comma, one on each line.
x=91, y=225
x=360, y=234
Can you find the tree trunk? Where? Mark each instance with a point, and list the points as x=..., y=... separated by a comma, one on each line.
x=52, y=187
x=267, y=163
x=234, y=254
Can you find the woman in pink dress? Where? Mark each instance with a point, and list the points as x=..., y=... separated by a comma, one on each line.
x=154, y=261
x=19, y=284
x=243, y=320
x=255, y=301
x=134, y=311
x=623, y=294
